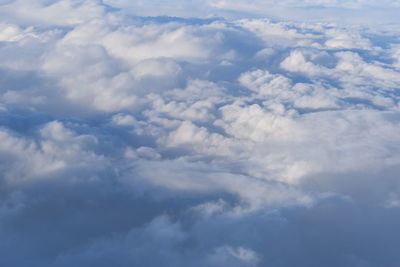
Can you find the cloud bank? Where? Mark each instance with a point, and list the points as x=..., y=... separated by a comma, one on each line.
x=129, y=140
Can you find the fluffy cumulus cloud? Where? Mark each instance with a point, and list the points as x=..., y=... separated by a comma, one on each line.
x=199, y=133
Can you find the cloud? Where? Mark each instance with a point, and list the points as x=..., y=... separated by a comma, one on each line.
x=217, y=138
x=371, y=12
x=60, y=13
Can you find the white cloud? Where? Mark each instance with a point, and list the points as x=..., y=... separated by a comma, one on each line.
x=234, y=257
x=13, y=33
x=60, y=13
x=200, y=140
x=357, y=11
x=58, y=149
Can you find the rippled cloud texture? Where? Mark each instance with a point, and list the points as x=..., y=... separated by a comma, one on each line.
x=200, y=140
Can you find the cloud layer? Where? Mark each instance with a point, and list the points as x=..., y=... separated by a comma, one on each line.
x=129, y=140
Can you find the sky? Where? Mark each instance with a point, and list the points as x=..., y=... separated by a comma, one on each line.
x=199, y=133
